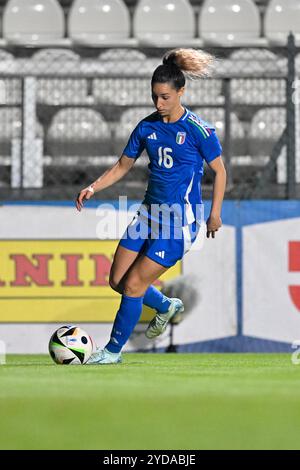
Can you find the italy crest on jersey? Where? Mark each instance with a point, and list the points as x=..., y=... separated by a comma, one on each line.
x=180, y=138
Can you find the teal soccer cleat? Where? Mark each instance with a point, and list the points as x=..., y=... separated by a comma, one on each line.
x=159, y=323
x=103, y=356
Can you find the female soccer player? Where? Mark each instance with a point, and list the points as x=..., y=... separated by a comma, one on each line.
x=163, y=230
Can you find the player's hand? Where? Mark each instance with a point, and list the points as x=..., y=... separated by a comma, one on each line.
x=213, y=224
x=84, y=195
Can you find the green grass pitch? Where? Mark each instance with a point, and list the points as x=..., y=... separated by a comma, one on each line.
x=152, y=401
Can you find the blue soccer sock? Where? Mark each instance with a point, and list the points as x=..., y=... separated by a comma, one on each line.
x=155, y=299
x=127, y=317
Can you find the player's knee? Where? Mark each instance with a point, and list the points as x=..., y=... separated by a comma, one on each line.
x=133, y=286
x=113, y=282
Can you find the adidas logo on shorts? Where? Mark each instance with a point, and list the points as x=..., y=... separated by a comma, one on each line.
x=161, y=254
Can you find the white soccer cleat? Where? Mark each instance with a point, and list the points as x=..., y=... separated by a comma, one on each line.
x=103, y=356
x=159, y=323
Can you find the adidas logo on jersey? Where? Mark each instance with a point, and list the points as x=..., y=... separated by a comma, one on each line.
x=152, y=136
x=161, y=254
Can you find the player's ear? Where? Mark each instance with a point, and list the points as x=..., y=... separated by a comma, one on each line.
x=181, y=91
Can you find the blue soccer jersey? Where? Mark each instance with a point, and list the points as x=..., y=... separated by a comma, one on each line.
x=176, y=152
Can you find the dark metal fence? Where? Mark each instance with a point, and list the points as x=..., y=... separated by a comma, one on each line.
x=65, y=116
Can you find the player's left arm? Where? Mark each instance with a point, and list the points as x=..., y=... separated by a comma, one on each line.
x=214, y=221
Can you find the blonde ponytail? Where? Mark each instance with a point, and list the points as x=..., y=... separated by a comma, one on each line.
x=194, y=63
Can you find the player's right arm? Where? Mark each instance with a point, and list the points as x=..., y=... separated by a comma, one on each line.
x=109, y=177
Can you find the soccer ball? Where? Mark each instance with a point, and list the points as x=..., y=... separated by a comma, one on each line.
x=70, y=345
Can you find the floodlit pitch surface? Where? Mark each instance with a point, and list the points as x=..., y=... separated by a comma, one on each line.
x=152, y=401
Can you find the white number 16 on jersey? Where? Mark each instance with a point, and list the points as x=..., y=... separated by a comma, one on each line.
x=165, y=157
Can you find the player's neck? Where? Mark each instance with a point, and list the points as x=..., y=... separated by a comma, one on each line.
x=175, y=116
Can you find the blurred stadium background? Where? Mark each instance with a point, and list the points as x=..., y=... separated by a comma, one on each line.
x=74, y=81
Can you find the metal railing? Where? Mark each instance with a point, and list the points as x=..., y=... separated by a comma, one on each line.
x=61, y=118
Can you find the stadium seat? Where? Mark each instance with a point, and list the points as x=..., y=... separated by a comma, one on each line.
x=78, y=132
x=55, y=61
x=201, y=92
x=256, y=62
x=134, y=68
x=10, y=88
x=216, y=117
x=11, y=128
x=122, y=91
x=258, y=91
x=229, y=22
x=164, y=21
x=62, y=92
x=266, y=128
x=10, y=91
x=126, y=62
x=33, y=22
x=123, y=128
x=56, y=91
x=6, y=57
x=95, y=22
x=129, y=119
x=282, y=16
x=120, y=54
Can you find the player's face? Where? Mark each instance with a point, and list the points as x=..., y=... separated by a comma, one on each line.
x=166, y=98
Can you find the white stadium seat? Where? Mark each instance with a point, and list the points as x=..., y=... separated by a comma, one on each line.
x=129, y=119
x=203, y=92
x=94, y=22
x=252, y=62
x=282, y=16
x=10, y=91
x=266, y=128
x=256, y=62
x=216, y=117
x=11, y=123
x=11, y=128
x=54, y=60
x=79, y=123
x=258, y=91
x=229, y=22
x=121, y=54
x=62, y=91
x=10, y=88
x=122, y=91
x=164, y=21
x=33, y=22
x=127, y=64
x=56, y=91
x=6, y=56
x=78, y=131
